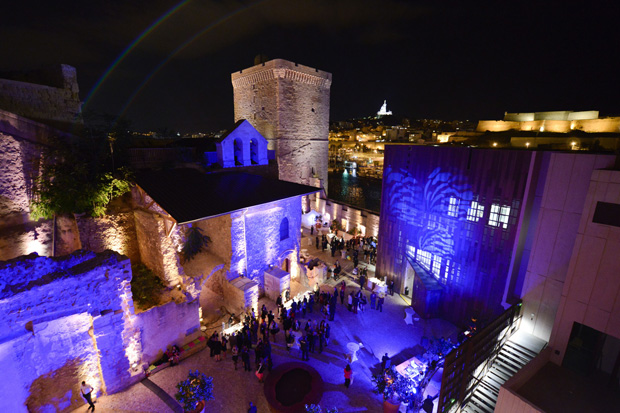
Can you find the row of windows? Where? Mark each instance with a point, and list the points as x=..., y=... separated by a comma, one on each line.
x=433, y=263
x=498, y=217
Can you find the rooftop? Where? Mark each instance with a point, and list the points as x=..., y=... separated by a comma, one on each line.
x=190, y=195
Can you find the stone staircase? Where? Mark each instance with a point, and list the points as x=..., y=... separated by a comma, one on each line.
x=515, y=353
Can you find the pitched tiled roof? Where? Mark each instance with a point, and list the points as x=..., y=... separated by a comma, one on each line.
x=190, y=195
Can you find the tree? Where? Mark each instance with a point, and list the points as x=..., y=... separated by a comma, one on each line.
x=76, y=179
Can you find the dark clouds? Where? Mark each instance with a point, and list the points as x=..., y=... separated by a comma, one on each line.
x=429, y=59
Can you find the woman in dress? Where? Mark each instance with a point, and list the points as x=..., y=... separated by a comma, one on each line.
x=348, y=375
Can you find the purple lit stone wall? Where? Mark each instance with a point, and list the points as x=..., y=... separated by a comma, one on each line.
x=171, y=323
x=256, y=238
x=69, y=319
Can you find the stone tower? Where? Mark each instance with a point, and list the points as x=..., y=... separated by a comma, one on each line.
x=288, y=104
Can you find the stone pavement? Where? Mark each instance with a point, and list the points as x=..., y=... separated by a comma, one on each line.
x=378, y=333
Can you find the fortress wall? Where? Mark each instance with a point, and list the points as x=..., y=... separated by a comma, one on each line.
x=605, y=125
x=116, y=232
x=354, y=216
x=49, y=345
x=171, y=323
x=57, y=104
x=288, y=104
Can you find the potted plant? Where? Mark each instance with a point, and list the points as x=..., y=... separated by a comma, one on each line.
x=384, y=383
x=395, y=389
x=195, y=391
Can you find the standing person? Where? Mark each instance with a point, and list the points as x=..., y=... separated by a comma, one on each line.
x=245, y=357
x=252, y=408
x=373, y=299
x=311, y=340
x=235, y=355
x=273, y=328
x=327, y=333
x=224, y=345
x=384, y=362
x=258, y=351
x=279, y=303
x=348, y=375
x=350, y=302
x=362, y=301
x=332, y=307
x=217, y=349
x=380, y=303
x=317, y=242
x=303, y=346
x=391, y=287
x=290, y=340
x=87, y=392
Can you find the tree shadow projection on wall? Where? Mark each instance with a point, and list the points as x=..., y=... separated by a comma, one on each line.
x=58, y=390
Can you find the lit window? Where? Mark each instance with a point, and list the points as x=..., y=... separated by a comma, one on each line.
x=453, y=207
x=475, y=212
x=411, y=251
x=436, y=265
x=499, y=216
x=424, y=259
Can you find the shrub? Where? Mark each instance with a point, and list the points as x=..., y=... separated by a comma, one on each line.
x=146, y=286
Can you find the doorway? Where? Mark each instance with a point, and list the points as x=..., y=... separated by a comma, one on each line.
x=406, y=288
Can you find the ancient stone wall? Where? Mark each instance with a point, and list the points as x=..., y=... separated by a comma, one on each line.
x=22, y=143
x=355, y=217
x=115, y=232
x=64, y=320
x=157, y=250
x=171, y=323
x=26, y=238
x=288, y=104
x=57, y=104
x=263, y=236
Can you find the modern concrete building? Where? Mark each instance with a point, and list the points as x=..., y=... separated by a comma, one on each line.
x=468, y=232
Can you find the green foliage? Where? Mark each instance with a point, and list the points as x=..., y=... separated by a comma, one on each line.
x=76, y=178
x=197, y=387
x=195, y=241
x=336, y=226
x=146, y=286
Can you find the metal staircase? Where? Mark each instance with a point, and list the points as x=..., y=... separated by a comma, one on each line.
x=515, y=353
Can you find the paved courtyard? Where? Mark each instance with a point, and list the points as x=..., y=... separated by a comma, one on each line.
x=378, y=333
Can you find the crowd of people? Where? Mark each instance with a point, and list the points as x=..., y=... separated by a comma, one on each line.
x=303, y=324
x=367, y=245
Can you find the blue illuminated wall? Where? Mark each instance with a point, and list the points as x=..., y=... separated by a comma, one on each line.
x=457, y=213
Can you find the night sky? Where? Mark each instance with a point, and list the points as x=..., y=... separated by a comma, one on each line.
x=445, y=60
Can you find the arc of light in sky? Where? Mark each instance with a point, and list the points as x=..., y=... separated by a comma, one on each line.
x=179, y=49
x=132, y=46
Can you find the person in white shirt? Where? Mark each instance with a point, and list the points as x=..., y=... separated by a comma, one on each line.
x=86, y=393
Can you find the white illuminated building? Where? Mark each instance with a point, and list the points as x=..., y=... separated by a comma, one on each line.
x=383, y=111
